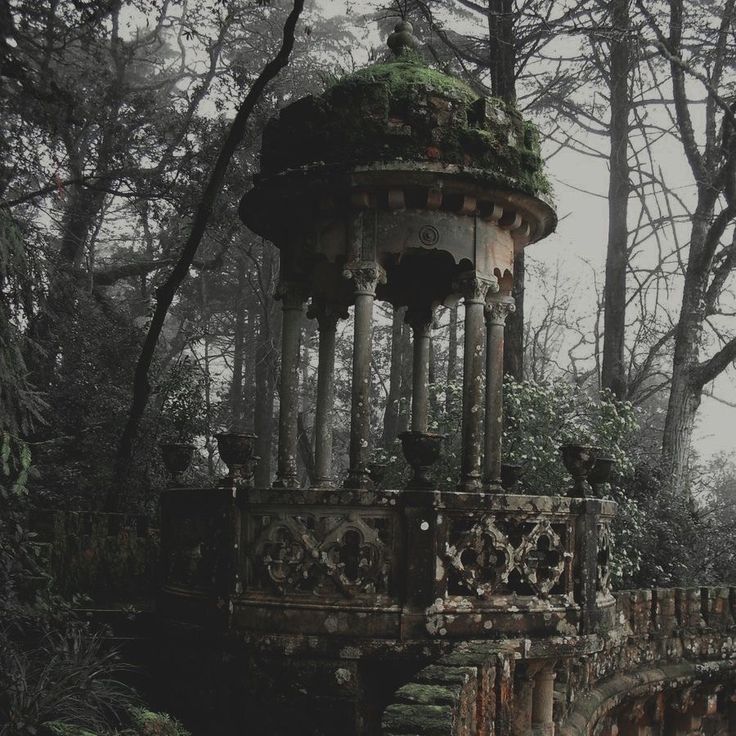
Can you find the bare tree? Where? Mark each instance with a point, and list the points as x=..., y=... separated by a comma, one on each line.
x=698, y=48
x=167, y=291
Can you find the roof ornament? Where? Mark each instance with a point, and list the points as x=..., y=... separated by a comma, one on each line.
x=402, y=39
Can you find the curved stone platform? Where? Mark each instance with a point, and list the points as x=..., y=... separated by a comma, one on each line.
x=667, y=667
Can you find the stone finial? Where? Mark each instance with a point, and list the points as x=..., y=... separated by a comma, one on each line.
x=402, y=39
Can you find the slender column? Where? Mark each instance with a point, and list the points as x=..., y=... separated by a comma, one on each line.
x=521, y=723
x=366, y=276
x=497, y=310
x=292, y=303
x=543, y=702
x=327, y=316
x=474, y=290
x=420, y=320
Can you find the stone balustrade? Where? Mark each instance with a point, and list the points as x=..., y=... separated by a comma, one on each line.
x=668, y=663
x=425, y=564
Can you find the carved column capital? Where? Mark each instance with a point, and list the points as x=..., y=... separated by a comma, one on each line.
x=420, y=319
x=291, y=294
x=474, y=288
x=366, y=276
x=326, y=313
x=498, y=308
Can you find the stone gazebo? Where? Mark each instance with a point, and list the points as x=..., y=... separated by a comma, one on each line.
x=400, y=184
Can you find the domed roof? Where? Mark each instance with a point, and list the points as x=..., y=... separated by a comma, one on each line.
x=403, y=110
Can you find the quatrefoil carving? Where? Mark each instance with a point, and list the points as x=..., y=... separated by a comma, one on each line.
x=351, y=555
x=482, y=558
x=541, y=558
x=603, y=561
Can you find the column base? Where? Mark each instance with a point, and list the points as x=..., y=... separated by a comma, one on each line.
x=545, y=729
x=324, y=484
x=359, y=479
x=287, y=482
x=470, y=485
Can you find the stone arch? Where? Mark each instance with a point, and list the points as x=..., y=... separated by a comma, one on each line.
x=674, y=697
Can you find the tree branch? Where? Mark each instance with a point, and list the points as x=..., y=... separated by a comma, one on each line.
x=165, y=294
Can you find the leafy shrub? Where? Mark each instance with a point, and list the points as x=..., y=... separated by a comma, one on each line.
x=69, y=677
x=542, y=417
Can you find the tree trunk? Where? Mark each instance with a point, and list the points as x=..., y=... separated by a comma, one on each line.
x=250, y=340
x=502, y=65
x=513, y=351
x=613, y=372
x=407, y=358
x=167, y=291
x=236, y=384
x=679, y=424
x=391, y=415
x=265, y=376
x=685, y=392
x=502, y=49
x=451, y=361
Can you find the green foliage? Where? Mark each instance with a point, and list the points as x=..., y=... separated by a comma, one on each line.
x=657, y=533
x=148, y=723
x=20, y=406
x=88, y=394
x=542, y=417
x=183, y=406
x=68, y=676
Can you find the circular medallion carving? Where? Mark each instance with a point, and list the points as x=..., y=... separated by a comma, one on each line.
x=429, y=235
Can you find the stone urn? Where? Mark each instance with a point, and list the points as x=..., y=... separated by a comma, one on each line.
x=421, y=450
x=510, y=475
x=377, y=472
x=177, y=457
x=579, y=460
x=236, y=451
x=600, y=474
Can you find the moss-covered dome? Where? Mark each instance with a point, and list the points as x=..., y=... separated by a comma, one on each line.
x=403, y=110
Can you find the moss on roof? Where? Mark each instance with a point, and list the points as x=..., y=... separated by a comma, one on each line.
x=403, y=110
x=404, y=73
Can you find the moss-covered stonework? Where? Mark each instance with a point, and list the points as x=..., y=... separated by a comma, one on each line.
x=404, y=110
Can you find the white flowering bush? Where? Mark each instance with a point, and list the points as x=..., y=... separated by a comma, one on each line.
x=539, y=418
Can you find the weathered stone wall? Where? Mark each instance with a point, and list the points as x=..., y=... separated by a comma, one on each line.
x=668, y=666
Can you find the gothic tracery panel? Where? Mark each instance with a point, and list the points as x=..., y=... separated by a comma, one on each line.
x=320, y=555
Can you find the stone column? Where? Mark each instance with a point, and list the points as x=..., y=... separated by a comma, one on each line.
x=366, y=276
x=543, y=699
x=497, y=310
x=327, y=316
x=420, y=320
x=473, y=289
x=292, y=298
x=521, y=722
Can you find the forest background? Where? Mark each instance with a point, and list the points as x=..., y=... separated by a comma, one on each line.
x=135, y=308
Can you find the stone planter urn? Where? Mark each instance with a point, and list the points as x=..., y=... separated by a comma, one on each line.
x=510, y=476
x=421, y=450
x=177, y=457
x=579, y=460
x=236, y=451
x=600, y=474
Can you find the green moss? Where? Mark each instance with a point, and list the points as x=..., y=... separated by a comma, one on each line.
x=402, y=75
x=402, y=110
x=148, y=723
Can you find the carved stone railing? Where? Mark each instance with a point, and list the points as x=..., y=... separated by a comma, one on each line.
x=670, y=659
x=397, y=564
